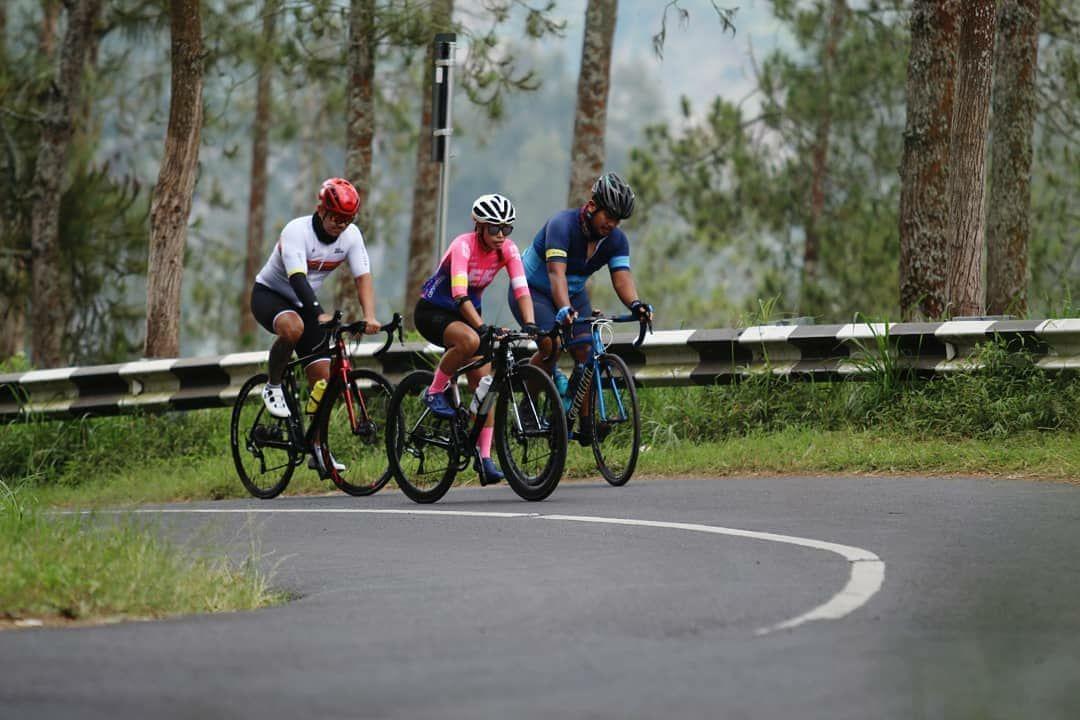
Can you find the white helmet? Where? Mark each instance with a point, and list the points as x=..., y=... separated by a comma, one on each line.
x=493, y=209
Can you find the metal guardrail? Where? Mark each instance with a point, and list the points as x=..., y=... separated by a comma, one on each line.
x=672, y=357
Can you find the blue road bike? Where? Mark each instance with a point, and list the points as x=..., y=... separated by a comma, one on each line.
x=603, y=400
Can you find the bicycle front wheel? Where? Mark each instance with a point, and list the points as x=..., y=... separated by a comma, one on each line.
x=261, y=450
x=530, y=432
x=616, y=425
x=421, y=448
x=353, y=432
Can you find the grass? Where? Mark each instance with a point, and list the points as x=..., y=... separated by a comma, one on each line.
x=57, y=569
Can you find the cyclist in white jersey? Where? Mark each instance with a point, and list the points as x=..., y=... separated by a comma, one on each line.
x=283, y=299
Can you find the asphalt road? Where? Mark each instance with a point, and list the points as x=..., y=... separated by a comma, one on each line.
x=404, y=615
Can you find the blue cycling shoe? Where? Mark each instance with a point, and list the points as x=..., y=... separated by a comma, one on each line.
x=438, y=404
x=489, y=472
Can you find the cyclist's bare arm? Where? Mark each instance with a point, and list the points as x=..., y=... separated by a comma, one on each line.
x=560, y=293
x=623, y=282
x=526, y=306
x=365, y=291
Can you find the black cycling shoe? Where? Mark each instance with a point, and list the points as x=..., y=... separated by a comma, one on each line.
x=489, y=472
x=584, y=433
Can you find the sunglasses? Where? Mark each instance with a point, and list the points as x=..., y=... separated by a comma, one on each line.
x=500, y=229
x=338, y=218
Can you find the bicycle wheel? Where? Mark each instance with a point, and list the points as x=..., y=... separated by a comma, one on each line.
x=530, y=432
x=616, y=425
x=353, y=431
x=421, y=448
x=262, y=453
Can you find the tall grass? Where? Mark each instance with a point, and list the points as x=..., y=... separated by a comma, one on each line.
x=79, y=567
x=1007, y=395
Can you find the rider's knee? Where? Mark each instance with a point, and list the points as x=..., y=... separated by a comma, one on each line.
x=289, y=328
x=470, y=343
x=548, y=346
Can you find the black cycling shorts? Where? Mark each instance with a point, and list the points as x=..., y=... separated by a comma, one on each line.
x=266, y=305
x=432, y=321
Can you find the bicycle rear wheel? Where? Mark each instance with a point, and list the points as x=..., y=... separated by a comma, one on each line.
x=421, y=448
x=530, y=432
x=354, y=420
x=616, y=425
x=262, y=453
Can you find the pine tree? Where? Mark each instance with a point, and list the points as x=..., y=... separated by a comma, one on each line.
x=590, y=115
x=1012, y=124
x=171, y=205
x=260, y=133
x=57, y=126
x=924, y=171
x=967, y=158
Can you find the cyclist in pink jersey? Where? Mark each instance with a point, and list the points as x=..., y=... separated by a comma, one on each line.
x=448, y=311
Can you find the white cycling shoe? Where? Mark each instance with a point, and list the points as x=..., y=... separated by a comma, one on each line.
x=274, y=399
x=313, y=463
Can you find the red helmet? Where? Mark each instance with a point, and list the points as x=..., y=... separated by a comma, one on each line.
x=339, y=196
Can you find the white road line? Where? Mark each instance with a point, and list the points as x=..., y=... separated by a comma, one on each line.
x=867, y=569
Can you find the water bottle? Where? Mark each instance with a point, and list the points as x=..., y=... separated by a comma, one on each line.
x=481, y=392
x=317, y=391
x=562, y=384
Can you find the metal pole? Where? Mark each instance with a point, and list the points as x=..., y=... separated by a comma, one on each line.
x=445, y=48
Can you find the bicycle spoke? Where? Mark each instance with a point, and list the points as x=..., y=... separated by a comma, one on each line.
x=530, y=432
x=616, y=427
x=262, y=453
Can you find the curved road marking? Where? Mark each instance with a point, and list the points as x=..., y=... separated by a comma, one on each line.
x=867, y=569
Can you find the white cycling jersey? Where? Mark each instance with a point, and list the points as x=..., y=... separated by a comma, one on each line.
x=299, y=249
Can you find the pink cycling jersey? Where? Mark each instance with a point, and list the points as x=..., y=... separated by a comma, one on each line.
x=467, y=268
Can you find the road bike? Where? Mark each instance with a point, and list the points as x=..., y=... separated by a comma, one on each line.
x=348, y=425
x=425, y=452
x=605, y=383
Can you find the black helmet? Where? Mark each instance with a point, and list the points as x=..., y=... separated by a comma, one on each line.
x=611, y=193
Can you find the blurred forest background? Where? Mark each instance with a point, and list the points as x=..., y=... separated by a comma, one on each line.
x=774, y=149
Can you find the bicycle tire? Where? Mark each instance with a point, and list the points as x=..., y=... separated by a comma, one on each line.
x=422, y=450
x=614, y=446
x=250, y=428
x=528, y=395
x=356, y=446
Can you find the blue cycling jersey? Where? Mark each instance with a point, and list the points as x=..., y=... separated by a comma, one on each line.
x=561, y=240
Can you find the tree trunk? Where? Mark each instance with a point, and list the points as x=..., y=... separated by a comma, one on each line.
x=924, y=168
x=590, y=117
x=1012, y=124
x=51, y=15
x=819, y=160
x=171, y=203
x=967, y=158
x=13, y=316
x=360, y=131
x=61, y=101
x=426, y=190
x=256, y=225
x=311, y=170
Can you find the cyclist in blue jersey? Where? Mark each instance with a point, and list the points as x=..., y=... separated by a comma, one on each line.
x=572, y=245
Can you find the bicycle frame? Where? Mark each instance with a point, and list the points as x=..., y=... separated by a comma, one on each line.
x=340, y=366
x=499, y=353
x=598, y=326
